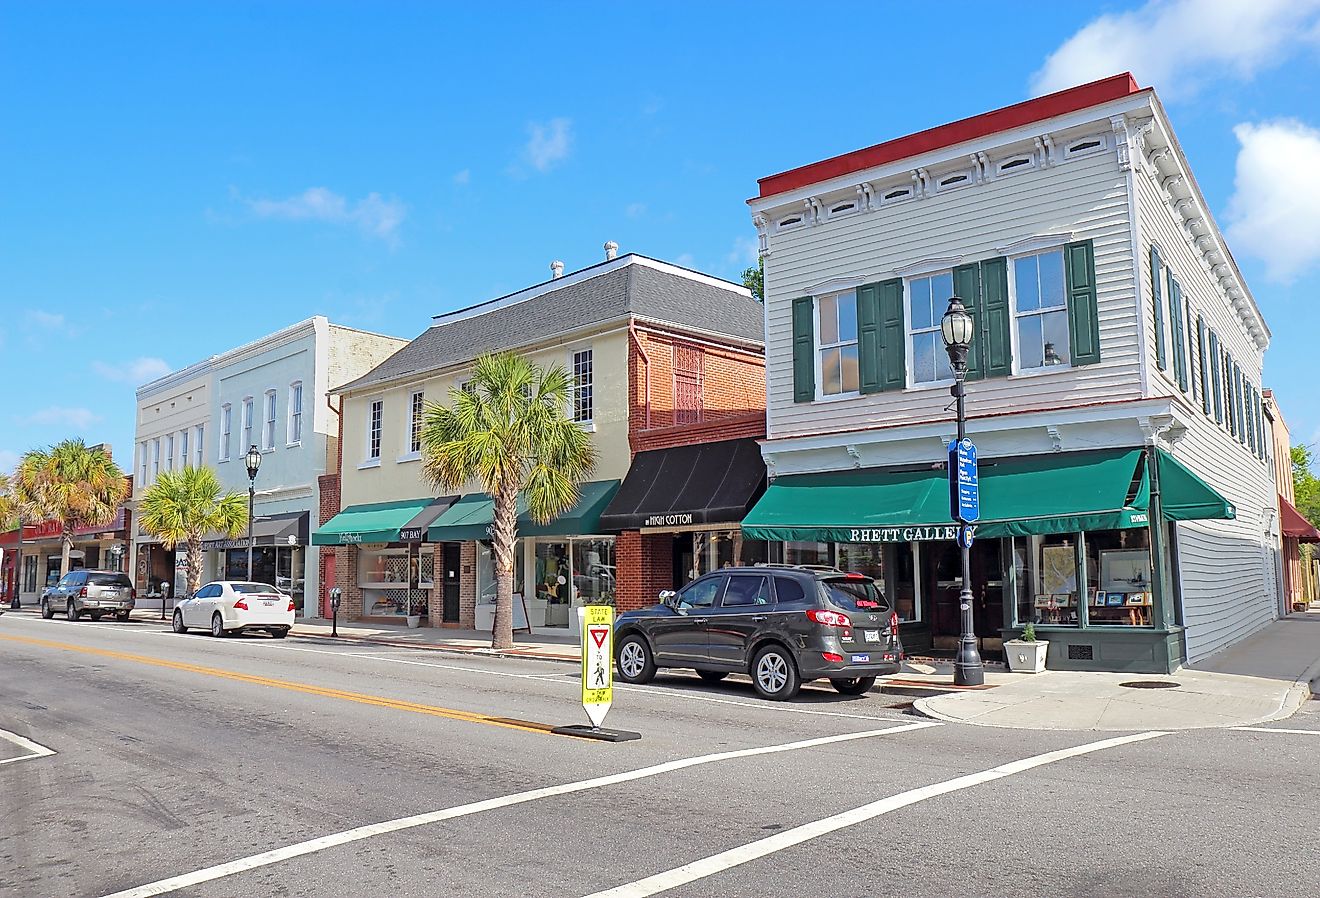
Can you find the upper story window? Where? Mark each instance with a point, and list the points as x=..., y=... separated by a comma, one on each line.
x=155, y=458
x=789, y=221
x=198, y=447
x=226, y=427
x=169, y=452
x=954, y=180
x=1216, y=385
x=247, y=422
x=846, y=207
x=1019, y=163
x=928, y=297
x=142, y=462
x=295, y=412
x=268, y=421
x=183, y=448
x=689, y=376
x=1040, y=311
x=1085, y=146
x=836, y=346
x=582, y=393
x=375, y=421
x=417, y=404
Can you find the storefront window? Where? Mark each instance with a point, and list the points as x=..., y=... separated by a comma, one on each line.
x=594, y=571
x=29, y=573
x=552, y=582
x=715, y=549
x=807, y=553
x=486, y=571
x=395, y=581
x=1045, y=579
x=1118, y=577
x=891, y=565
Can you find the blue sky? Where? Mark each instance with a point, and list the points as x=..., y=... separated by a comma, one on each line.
x=183, y=178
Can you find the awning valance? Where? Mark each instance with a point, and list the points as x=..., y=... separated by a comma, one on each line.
x=406, y=520
x=286, y=529
x=1057, y=493
x=471, y=516
x=707, y=483
x=1295, y=525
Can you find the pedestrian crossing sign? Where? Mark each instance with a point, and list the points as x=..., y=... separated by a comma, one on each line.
x=597, y=660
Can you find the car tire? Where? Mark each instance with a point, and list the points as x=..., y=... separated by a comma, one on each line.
x=279, y=633
x=711, y=676
x=852, y=685
x=634, y=660
x=217, y=625
x=177, y=623
x=47, y=612
x=775, y=674
x=121, y=615
x=71, y=612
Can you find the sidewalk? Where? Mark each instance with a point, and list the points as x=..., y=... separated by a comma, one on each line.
x=1265, y=677
x=542, y=646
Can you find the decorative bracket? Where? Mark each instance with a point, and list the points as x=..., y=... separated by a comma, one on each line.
x=1055, y=437
x=854, y=455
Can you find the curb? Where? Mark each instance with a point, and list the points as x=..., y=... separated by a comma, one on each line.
x=430, y=647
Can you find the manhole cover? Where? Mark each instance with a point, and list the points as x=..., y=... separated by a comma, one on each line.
x=1150, y=684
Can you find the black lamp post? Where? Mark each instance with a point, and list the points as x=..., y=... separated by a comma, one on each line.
x=957, y=328
x=253, y=465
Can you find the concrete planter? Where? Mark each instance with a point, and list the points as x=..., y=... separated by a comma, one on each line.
x=414, y=621
x=1025, y=657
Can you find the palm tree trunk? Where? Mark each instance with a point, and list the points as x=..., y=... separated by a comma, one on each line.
x=503, y=534
x=194, y=564
x=66, y=546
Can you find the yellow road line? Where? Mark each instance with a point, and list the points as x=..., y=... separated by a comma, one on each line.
x=360, y=698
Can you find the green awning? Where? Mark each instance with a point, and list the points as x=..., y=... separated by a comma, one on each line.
x=1040, y=494
x=381, y=522
x=1186, y=497
x=471, y=516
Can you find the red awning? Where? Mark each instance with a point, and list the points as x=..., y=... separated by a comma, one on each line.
x=1294, y=525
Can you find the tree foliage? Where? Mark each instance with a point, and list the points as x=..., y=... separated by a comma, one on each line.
x=509, y=430
x=754, y=279
x=183, y=506
x=1305, y=484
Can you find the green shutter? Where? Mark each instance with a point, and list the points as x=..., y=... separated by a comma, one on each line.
x=1179, y=337
x=996, y=322
x=893, y=336
x=868, y=337
x=804, y=349
x=1204, y=367
x=967, y=287
x=1157, y=306
x=1083, y=316
x=1216, y=387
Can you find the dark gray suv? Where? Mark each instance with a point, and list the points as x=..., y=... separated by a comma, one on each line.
x=783, y=625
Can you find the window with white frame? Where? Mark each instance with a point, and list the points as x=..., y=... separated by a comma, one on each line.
x=198, y=447
x=142, y=462
x=169, y=452
x=416, y=406
x=247, y=423
x=582, y=395
x=295, y=412
x=155, y=458
x=928, y=297
x=268, y=424
x=836, y=354
x=226, y=430
x=183, y=448
x=1040, y=310
x=375, y=420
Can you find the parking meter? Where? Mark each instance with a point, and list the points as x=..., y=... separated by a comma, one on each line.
x=335, y=595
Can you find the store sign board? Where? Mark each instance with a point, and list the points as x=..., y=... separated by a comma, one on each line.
x=597, y=625
x=964, y=482
x=668, y=520
x=902, y=534
x=412, y=534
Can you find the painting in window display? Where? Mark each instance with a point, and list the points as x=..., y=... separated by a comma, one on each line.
x=1118, y=577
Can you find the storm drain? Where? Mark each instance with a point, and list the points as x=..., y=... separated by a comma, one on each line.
x=1150, y=684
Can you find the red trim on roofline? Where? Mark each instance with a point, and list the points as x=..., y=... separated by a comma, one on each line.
x=1049, y=106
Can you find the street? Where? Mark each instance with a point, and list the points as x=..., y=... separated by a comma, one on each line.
x=194, y=766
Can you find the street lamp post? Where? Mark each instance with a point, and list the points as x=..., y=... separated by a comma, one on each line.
x=253, y=465
x=957, y=328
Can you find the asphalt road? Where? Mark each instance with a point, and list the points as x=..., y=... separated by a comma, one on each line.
x=248, y=766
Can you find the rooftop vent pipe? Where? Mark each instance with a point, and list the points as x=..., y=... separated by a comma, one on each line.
x=556, y=269
x=611, y=250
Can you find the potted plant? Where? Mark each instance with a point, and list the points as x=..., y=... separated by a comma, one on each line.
x=1026, y=654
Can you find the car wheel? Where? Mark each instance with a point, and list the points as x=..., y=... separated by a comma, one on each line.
x=47, y=612
x=853, y=685
x=72, y=613
x=217, y=625
x=634, y=660
x=775, y=674
x=279, y=633
x=121, y=615
x=711, y=676
x=178, y=623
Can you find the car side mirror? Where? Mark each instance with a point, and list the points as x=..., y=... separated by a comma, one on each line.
x=667, y=597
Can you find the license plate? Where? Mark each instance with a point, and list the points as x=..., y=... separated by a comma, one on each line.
x=861, y=659
x=269, y=604
x=872, y=635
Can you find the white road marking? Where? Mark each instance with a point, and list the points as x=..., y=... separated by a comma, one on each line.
x=716, y=863
x=34, y=750
x=1276, y=730
x=266, y=858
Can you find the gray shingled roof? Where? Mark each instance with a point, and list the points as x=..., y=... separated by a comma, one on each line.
x=632, y=289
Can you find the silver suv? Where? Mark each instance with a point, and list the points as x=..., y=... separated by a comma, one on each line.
x=90, y=592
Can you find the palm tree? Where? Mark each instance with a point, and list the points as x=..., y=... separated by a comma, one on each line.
x=77, y=485
x=184, y=506
x=508, y=429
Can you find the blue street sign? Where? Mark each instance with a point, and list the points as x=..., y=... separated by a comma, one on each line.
x=964, y=483
x=965, y=535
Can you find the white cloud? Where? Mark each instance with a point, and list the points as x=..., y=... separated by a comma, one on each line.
x=42, y=318
x=79, y=418
x=1176, y=45
x=8, y=461
x=549, y=144
x=686, y=260
x=744, y=252
x=463, y=177
x=1274, y=212
x=635, y=210
x=373, y=214
x=137, y=372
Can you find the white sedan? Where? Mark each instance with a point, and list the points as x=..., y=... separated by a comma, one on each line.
x=233, y=606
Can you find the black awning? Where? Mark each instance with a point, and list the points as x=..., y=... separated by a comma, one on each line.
x=287, y=529
x=709, y=483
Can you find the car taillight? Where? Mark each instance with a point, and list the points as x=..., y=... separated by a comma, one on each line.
x=82, y=593
x=893, y=623
x=291, y=608
x=132, y=592
x=241, y=605
x=830, y=618
x=832, y=657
